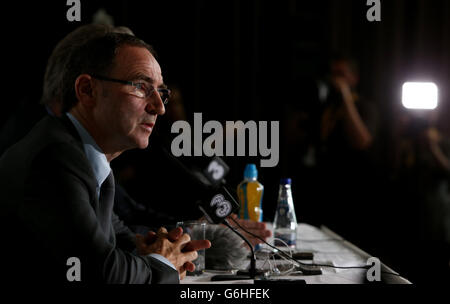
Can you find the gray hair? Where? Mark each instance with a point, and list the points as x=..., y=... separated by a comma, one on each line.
x=58, y=60
x=95, y=57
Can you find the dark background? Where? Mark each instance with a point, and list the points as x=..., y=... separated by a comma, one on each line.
x=244, y=60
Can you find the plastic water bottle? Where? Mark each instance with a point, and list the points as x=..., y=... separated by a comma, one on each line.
x=285, y=222
x=250, y=193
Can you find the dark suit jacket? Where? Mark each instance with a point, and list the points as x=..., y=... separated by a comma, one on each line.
x=49, y=213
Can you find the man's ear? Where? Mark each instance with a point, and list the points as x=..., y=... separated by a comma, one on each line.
x=84, y=90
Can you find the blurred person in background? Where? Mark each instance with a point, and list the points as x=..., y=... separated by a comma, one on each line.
x=330, y=134
x=420, y=186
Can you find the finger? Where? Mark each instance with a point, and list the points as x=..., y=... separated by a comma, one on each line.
x=254, y=225
x=150, y=237
x=249, y=224
x=162, y=231
x=175, y=234
x=259, y=230
x=189, y=266
x=262, y=233
x=197, y=245
x=233, y=216
x=189, y=256
x=184, y=239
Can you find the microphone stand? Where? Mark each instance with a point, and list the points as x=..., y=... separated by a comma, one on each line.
x=252, y=273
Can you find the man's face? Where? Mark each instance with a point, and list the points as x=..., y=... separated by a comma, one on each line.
x=126, y=119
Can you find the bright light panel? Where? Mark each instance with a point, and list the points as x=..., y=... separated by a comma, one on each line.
x=420, y=95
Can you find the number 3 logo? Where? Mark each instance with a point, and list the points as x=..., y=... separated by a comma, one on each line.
x=223, y=207
x=216, y=170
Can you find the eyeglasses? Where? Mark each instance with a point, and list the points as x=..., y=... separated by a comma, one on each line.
x=141, y=89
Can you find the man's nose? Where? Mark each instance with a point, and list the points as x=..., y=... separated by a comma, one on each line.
x=155, y=105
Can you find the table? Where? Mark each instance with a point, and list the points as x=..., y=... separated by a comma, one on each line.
x=328, y=249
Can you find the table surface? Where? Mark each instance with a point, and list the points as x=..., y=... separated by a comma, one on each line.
x=328, y=249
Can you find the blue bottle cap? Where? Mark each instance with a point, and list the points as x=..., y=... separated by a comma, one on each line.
x=285, y=181
x=250, y=171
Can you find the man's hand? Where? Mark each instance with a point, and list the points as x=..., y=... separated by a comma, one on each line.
x=257, y=228
x=174, y=246
x=143, y=242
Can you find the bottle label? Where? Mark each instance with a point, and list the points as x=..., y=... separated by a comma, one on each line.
x=283, y=208
x=250, y=197
x=283, y=238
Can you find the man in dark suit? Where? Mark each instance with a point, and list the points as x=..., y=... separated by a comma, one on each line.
x=57, y=185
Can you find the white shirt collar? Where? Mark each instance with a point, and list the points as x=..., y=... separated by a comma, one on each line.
x=94, y=153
